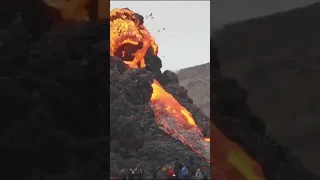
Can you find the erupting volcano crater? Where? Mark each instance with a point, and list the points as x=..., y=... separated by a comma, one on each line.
x=134, y=51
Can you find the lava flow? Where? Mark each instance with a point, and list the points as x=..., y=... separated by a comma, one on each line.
x=229, y=161
x=130, y=41
x=177, y=121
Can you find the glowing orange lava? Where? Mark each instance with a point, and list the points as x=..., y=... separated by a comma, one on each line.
x=177, y=121
x=172, y=105
x=125, y=29
x=229, y=161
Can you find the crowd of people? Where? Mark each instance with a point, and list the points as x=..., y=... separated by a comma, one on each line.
x=176, y=170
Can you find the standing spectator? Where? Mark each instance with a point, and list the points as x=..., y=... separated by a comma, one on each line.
x=191, y=163
x=124, y=174
x=185, y=172
x=170, y=173
x=198, y=174
x=177, y=168
x=205, y=173
x=138, y=172
x=155, y=173
x=131, y=174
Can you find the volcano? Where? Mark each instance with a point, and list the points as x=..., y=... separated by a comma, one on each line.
x=170, y=125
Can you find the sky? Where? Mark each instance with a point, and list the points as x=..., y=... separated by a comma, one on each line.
x=225, y=11
x=186, y=40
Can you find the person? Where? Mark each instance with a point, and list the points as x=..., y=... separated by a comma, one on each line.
x=198, y=174
x=124, y=173
x=177, y=168
x=185, y=172
x=170, y=173
x=205, y=173
x=191, y=163
x=138, y=172
x=131, y=174
x=164, y=169
x=155, y=173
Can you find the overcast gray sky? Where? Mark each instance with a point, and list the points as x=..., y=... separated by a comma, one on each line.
x=185, y=42
x=232, y=10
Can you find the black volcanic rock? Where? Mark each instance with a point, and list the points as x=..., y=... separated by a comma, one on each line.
x=135, y=136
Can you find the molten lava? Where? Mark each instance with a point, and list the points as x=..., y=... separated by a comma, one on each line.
x=177, y=121
x=229, y=161
x=130, y=41
x=128, y=33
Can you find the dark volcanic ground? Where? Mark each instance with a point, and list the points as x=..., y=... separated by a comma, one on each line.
x=276, y=58
x=135, y=136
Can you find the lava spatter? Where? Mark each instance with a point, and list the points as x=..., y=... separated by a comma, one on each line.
x=130, y=41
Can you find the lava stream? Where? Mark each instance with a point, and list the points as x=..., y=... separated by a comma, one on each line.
x=229, y=161
x=177, y=121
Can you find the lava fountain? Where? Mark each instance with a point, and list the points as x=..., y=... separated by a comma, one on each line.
x=131, y=41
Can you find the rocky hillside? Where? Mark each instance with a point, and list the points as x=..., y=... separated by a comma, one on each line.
x=197, y=81
x=276, y=58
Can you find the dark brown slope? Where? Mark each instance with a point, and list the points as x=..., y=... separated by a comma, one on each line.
x=277, y=59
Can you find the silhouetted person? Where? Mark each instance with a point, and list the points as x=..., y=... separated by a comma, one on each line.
x=191, y=163
x=131, y=174
x=205, y=173
x=155, y=173
x=138, y=172
x=124, y=174
x=177, y=167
